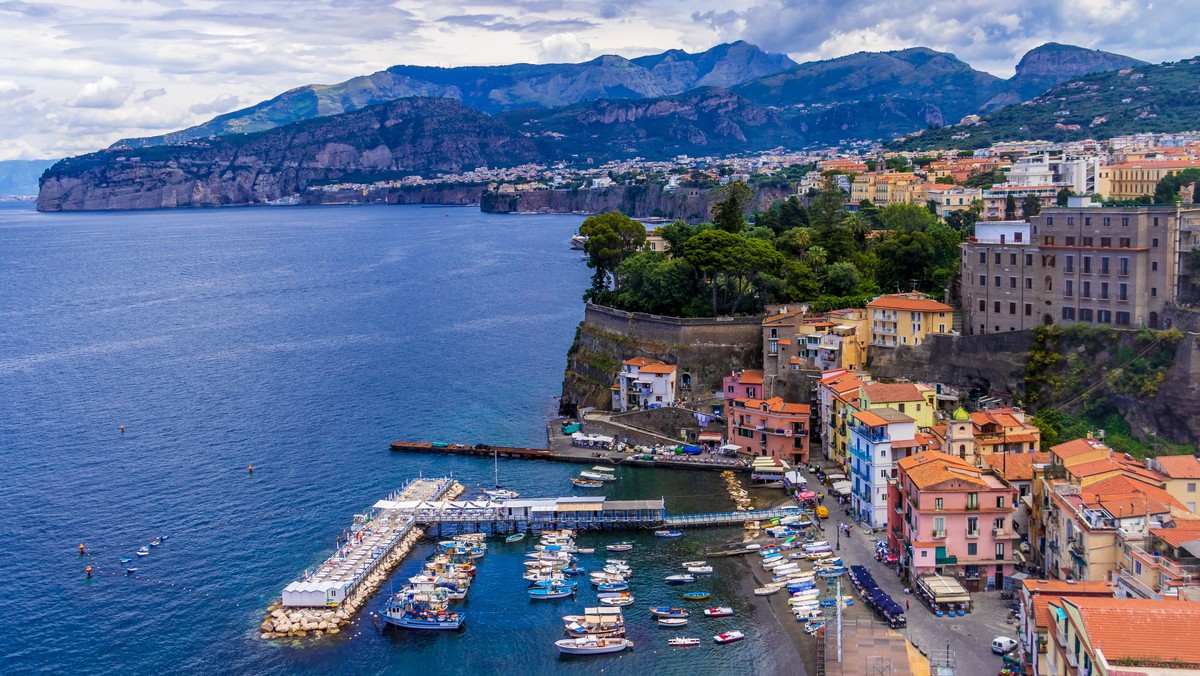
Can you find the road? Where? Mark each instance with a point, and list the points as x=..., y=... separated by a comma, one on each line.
x=969, y=637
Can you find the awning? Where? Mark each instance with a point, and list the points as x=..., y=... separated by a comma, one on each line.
x=709, y=436
x=731, y=447
x=581, y=507
x=841, y=487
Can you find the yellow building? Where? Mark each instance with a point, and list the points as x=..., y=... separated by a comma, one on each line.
x=1130, y=180
x=889, y=188
x=1181, y=477
x=906, y=318
x=913, y=400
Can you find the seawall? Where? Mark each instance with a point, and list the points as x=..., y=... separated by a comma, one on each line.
x=638, y=201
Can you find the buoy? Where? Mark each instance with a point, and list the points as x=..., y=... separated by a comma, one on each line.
x=81, y=550
x=122, y=429
x=89, y=572
x=250, y=469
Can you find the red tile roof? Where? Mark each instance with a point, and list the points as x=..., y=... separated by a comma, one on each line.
x=929, y=468
x=1016, y=466
x=883, y=393
x=772, y=319
x=1135, y=632
x=1180, y=466
x=1179, y=535
x=658, y=368
x=750, y=377
x=905, y=301
x=641, y=361
x=1075, y=447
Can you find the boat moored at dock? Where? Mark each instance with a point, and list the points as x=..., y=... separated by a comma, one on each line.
x=592, y=646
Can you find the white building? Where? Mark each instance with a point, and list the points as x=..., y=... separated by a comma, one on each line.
x=644, y=383
x=876, y=436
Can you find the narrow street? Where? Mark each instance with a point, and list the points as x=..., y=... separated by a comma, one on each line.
x=970, y=637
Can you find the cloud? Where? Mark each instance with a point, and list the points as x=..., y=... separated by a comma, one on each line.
x=152, y=94
x=221, y=104
x=103, y=93
x=563, y=47
x=13, y=90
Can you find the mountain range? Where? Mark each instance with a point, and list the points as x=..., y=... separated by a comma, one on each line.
x=732, y=98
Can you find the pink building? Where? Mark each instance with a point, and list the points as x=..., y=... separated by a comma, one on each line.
x=746, y=384
x=957, y=520
x=771, y=428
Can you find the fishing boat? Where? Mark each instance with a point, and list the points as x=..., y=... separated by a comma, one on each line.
x=696, y=596
x=617, y=569
x=515, y=537
x=126, y=559
x=421, y=611
x=683, y=642
x=664, y=611
x=668, y=533
x=604, y=578
x=574, y=570
x=700, y=570
x=672, y=621
x=618, y=601
x=592, y=646
x=680, y=579
x=729, y=637
x=720, y=611
x=595, y=622
x=569, y=584
x=586, y=483
x=613, y=587
x=687, y=564
x=619, y=547
x=557, y=591
x=143, y=552
x=597, y=476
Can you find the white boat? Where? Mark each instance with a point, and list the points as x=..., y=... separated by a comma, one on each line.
x=673, y=621
x=619, y=601
x=729, y=637
x=680, y=579
x=585, y=550
x=578, y=241
x=515, y=537
x=688, y=564
x=701, y=570
x=817, y=546
x=603, y=468
x=683, y=642
x=617, y=562
x=586, y=483
x=766, y=591
x=719, y=611
x=143, y=552
x=592, y=646
x=502, y=494
x=753, y=547
x=619, y=547
x=597, y=476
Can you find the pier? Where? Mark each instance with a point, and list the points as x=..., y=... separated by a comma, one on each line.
x=564, y=452
x=726, y=518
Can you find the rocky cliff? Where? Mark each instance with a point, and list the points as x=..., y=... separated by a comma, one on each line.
x=638, y=201
x=1053, y=64
x=393, y=139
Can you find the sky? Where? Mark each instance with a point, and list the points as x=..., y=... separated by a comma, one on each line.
x=78, y=75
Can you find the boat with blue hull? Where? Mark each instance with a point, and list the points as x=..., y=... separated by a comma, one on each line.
x=422, y=611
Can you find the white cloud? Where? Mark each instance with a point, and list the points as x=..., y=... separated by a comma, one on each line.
x=11, y=89
x=106, y=92
x=563, y=47
x=152, y=94
x=222, y=104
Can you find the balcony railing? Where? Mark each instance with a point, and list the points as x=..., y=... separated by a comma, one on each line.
x=939, y=535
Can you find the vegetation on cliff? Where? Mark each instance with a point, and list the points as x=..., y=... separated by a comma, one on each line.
x=822, y=255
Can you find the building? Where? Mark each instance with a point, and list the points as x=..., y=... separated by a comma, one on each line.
x=771, y=427
x=793, y=342
x=745, y=384
x=999, y=278
x=995, y=199
x=975, y=436
x=838, y=393
x=873, y=436
x=1036, y=621
x=957, y=520
x=952, y=198
x=1131, y=180
x=644, y=383
x=1181, y=474
x=883, y=189
x=1017, y=470
x=1163, y=565
x=1125, y=637
x=906, y=318
x=655, y=242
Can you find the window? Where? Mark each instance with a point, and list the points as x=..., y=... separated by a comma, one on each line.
x=1012, y=259
x=983, y=306
x=1048, y=240
x=1103, y=290
x=1124, y=242
x=1125, y=222
x=1122, y=291
x=1107, y=220
x=997, y=258
x=900, y=407
x=996, y=307
x=1191, y=488
x=1049, y=220
x=1154, y=243
x=1122, y=319
x=1137, y=567
x=1156, y=221
x=1070, y=220
x=1087, y=290
x=1154, y=292
x=1104, y=316
x=924, y=553
x=982, y=280
x=999, y=551
x=1087, y=241
x=774, y=347
x=1104, y=265
x=972, y=548
x=1049, y=282
x=1070, y=264
x=937, y=502
x=1000, y=504
x=939, y=527
x=1154, y=266
x=983, y=258
x=972, y=501
x=1106, y=242
x=1070, y=239
x=1028, y=259
x=1017, y=236
x=997, y=281
x=1085, y=314
x=1029, y=283
x=1123, y=268
x=1087, y=264
x=1012, y=282
x=1029, y=309
x=1012, y=308
x=1069, y=313
x=1070, y=290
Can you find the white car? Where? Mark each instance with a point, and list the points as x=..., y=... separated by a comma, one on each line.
x=1002, y=645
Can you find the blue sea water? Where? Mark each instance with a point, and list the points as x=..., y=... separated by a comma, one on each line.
x=300, y=341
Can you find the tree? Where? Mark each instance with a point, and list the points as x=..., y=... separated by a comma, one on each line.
x=841, y=279
x=945, y=180
x=712, y=253
x=906, y=260
x=931, y=206
x=898, y=163
x=1010, y=207
x=1031, y=206
x=611, y=237
x=729, y=214
x=1167, y=190
x=859, y=227
x=1060, y=199
x=750, y=257
x=907, y=217
x=675, y=233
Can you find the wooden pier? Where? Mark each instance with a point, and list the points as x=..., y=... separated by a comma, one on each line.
x=581, y=456
x=726, y=518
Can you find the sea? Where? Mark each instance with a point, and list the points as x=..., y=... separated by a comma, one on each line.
x=148, y=359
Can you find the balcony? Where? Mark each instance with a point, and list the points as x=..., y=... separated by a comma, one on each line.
x=973, y=533
x=1005, y=533
x=939, y=535
x=889, y=330
x=946, y=560
x=1078, y=548
x=1053, y=545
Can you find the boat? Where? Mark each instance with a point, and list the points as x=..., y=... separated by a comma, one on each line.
x=617, y=562
x=595, y=622
x=577, y=241
x=619, y=601
x=597, y=476
x=130, y=571
x=143, y=552
x=586, y=483
x=688, y=564
x=619, y=547
x=767, y=590
x=696, y=596
x=668, y=533
x=569, y=584
x=574, y=570
x=126, y=559
x=164, y=536
x=720, y=611
x=672, y=621
x=592, y=646
x=683, y=642
x=603, y=468
x=587, y=550
x=421, y=611
x=515, y=537
x=502, y=494
x=753, y=547
x=613, y=587
x=154, y=543
x=701, y=570
x=680, y=579
x=557, y=591
x=729, y=637
x=664, y=611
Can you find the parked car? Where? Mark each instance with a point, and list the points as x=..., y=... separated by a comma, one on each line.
x=1002, y=645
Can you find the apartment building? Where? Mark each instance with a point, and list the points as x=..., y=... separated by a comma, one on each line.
x=644, y=383
x=1036, y=621
x=1131, y=180
x=875, y=438
x=1120, y=637
x=771, y=428
x=1181, y=477
x=1000, y=270
x=906, y=318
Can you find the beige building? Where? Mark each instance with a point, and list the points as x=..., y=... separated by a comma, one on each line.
x=1181, y=477
x=1131, y=180
x=906, y=318
x=999, y=267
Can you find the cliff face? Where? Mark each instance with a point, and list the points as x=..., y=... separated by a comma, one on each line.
x=1053, y=64
x=410, y=135
x=642, y=201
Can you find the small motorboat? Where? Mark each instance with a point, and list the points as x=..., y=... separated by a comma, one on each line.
x=126, y=559
x=753, y=547
x=597, y=476
x=688, y=564
x=586, y=483
x=502, y=494
x=616, y=562
x=583, y=550
x=664, y=611
x=130, y=571
x=515, y=537
x=721, y=611
x=574, y=570
x=587, y=645
x=570, y=584
x=729, y=637
x=613, y=587
x=619, y=547
x=683, y=642
x=164, y=536
x=143, y=552
x=553, y=592
x=680, y=579
x=618, y=601
x=668, y=533
x=700, y=570
x=673, y=621
x=155, y=543
x=696, y=596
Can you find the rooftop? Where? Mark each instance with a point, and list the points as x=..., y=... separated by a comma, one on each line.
x=658, y=368
x=1177, y=536
x=883, y=393
x=1077, y=447
x=750, y=377
x=930, y=468
x=1016, y=466
x=909, y=301
x=1179, y=466
x=1133, y=632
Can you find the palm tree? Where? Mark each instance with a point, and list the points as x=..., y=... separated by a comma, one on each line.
x=859, y=227
x=815, y=256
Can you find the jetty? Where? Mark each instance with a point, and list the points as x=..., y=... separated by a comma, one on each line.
x=567, y=453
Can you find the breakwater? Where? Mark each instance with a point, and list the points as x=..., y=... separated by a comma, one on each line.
x=563, y=451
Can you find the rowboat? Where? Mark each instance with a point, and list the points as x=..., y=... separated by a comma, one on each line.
x=597, y=476
x=663, y=611
x=729, y=637
x=668, y=533
x=592, y=646
x=586, y=483
x=683, y=642
x=574, y=570
x=831, y=573
x=143, y=552
x=613, y=587
x=619, y=601
x=515, y=537
x=672, y=621
x=687, y=564
x=619, y=547
x=611, y=595
x=700, y=570
x=766, y=591
x=680, y=579
x=720, y=611
x=696, y=596
x=753, y=547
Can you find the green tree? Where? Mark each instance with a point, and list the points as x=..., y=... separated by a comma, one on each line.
x=898, y=163
x=859, y=227
x=1030, y=205
x=1060, y=199
x=841, y=279
x=675, y=233
x=712, y=253
x=611, y=238
x=906, y=260
x=1167, y=190
x=870, y=213
x=1010, y=207
x=945, y=180
x=906, y=217
x=729, y=213
x=751, y=257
